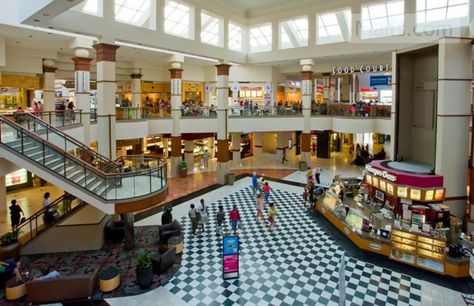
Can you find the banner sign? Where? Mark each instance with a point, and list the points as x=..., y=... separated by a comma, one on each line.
x=230, y=258
x=377, y=80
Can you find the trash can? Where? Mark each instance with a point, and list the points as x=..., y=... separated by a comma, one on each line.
x=303, y=166
x=230, y=179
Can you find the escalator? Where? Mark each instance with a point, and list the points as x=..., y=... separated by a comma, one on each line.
x=77, y=169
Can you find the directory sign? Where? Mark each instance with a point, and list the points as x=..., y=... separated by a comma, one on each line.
x=230, y=258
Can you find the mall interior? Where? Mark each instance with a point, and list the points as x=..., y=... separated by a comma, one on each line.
x=346, y=124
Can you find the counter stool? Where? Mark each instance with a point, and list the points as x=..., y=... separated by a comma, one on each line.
x=15, y=289
x=177, y=243
x=109, y=279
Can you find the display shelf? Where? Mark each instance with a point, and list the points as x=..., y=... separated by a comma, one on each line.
x=430, y=254
x=436, y=242
x=404, y=240
x=404, y=234
x=404, y=247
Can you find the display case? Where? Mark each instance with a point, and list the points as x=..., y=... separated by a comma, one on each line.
x=403, y=246
x=431, y=253
x=355, y=219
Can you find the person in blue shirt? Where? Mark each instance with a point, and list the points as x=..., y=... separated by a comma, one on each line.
x=254, y=183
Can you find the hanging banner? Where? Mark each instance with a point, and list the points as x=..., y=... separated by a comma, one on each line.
x=230, y=257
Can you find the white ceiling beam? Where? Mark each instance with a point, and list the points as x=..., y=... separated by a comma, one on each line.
x=33, y=12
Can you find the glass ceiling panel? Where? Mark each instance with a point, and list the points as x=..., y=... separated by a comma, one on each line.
x=334, y=27
x=261, y=38
x=210, y=29
x=382, y=19
x=177, y=19
x=294, y=33
x=445, y=13
x=136, y=12
x=91, y=6
x=235, y=37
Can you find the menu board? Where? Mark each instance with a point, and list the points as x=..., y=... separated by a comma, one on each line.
x=382, y=185
x=16, y=177
x=402, y=192
x=368, y=179
x=429, y=195
x=230, y=260
x=375, y=182
x=415, y=194
x=390, y=188
x=439, y=195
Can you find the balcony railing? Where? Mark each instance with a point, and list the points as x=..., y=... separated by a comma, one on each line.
x=351, y=110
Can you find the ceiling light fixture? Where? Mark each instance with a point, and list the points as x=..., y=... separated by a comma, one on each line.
x=126, y=44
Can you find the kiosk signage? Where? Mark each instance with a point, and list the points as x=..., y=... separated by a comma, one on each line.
x=230, y=258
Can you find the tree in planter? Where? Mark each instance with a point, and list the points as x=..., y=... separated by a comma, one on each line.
x=167, y=217
x=183, y=169
x=9, y=245
x=144, y=269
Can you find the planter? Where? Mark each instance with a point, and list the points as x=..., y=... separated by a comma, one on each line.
x=10, y=251
x=183, y=172
x=144, y=277
x=166, y=218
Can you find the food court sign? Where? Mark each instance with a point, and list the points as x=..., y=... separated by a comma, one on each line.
x=381, y=173
x=361, y=69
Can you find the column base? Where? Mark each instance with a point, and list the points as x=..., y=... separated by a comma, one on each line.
x=306, y=156
x=236, y=159
x=174, y=166
x=189, y=159
x=222, y=170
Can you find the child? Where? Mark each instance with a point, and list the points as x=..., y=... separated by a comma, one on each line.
x=272, y=213
x=234, y=217
x=305, y=196
x=266, y=191
x=259, y=207
x=220, y=219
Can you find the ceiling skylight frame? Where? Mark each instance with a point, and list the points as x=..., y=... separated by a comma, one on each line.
x=212, y=29
x=378, y=20
x=235, y=36
x=91, y=7
x=178, y=19
x=441, y=14
x=293, y=33
x=334, y=26
x=134, y=12
x=260, y=37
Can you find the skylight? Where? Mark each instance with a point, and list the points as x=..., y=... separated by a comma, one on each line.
x=211, y=29
x=136, y=12
x=444, y=13
x=261, y=38
x=178, y=19
x=235, y=37
x=294, y=33
x=334, y=27
x=382, y=19
x=91, y=7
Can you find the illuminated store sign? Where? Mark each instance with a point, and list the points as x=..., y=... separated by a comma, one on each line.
x=362, y=69
x=381, y=173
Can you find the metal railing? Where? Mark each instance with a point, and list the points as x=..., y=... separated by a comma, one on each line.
x=88, y=176
x=53, y=118
x=47, y=217
x=352, y=110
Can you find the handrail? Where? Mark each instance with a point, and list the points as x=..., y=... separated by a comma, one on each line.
x=73, y=140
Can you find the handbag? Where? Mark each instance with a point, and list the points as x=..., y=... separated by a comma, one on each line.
x=240, y=225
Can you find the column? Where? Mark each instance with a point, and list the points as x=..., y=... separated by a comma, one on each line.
x=165, y=147
x=189, y=155
x=3, y=194
x=236, y=149
x=222, y=104
x=82, y=68
x=176, y=74
x=212, y=147
x=306, y=94
x=393, y=122
x=105, y=57
x=49, y=98
x=453, y=117
x=136, y=88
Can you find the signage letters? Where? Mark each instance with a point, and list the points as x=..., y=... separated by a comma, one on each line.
x=362, y=69
x=383, y=174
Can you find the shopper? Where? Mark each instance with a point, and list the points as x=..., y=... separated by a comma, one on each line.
x=305, y=196
x=10, y=267
x=234, y=217
x=205, y=157
x=35, y=109
x=193, y=217
x=204, y=213
x=309, y=175
x=220, y=217
x=283, y=158
x=317, y=174
x=254, y=183
x=260, y=203
x=49, y=211
x=15, y=213
x=266, y=191
x=272, y=213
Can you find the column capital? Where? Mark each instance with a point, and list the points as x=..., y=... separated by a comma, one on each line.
x=49, y=69
x=105, y=52
x=326, y=74
x=306, y=75
x=176, y=73
x=82, y=63
x=223, y=69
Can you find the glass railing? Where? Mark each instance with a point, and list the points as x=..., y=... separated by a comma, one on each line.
x=47, y=217
x=237, y=111
x=198, y=112
x=352, y=110
x=68, y=143
x=53, y=118
x=89, y=176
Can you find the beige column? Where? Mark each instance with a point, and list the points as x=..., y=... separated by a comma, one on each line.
x=144, y=144
x=212, y=147
x=49, y=98
x=222, y=105
x=136, y=88
x=176, y=79
x=236, y=149
x=82, y=98
x=306, y=96
x=453, y=117
x=189, y=155
x=3, y=194
x=165, y=147
x=105, y=57
x=393, y=121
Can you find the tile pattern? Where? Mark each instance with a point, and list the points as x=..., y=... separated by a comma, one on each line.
x=296, y=264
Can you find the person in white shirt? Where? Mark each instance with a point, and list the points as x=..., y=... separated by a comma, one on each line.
x=193, y=218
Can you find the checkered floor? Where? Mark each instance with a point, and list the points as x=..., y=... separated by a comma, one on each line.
x=297, y=264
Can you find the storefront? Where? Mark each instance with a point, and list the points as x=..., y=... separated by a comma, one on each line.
x=17, y=90
x=293, y=92
x=399, y=214
x=193, y=91
x=154, y=92
x=18, y=180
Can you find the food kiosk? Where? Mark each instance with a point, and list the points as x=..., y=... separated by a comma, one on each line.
x=400, y=215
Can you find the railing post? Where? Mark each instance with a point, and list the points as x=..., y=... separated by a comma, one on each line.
x=49, y=117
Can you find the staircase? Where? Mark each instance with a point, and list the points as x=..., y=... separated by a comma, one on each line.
x=82, y=172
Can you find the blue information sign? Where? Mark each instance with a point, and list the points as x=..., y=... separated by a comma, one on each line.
x=230, y=258
x=377, y=80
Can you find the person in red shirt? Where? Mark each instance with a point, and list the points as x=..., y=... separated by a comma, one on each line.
x=234, y=217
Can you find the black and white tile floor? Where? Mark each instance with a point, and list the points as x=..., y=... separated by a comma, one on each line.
x=297, y=264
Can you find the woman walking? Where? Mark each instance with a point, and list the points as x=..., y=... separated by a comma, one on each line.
x=15, y=213
x=272, y=213
x=193, y=217
x=260, y=202
x=220, y=219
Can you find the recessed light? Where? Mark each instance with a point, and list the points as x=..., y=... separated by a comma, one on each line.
x=30, y=36
x=50, y=27
x=45, y=14
x=49, y=33
x=17, y=42
x=36, y=20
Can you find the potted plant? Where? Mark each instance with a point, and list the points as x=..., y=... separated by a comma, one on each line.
x=144, y=269
x=167, y=217
x=183, y=169
x=9, y=245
